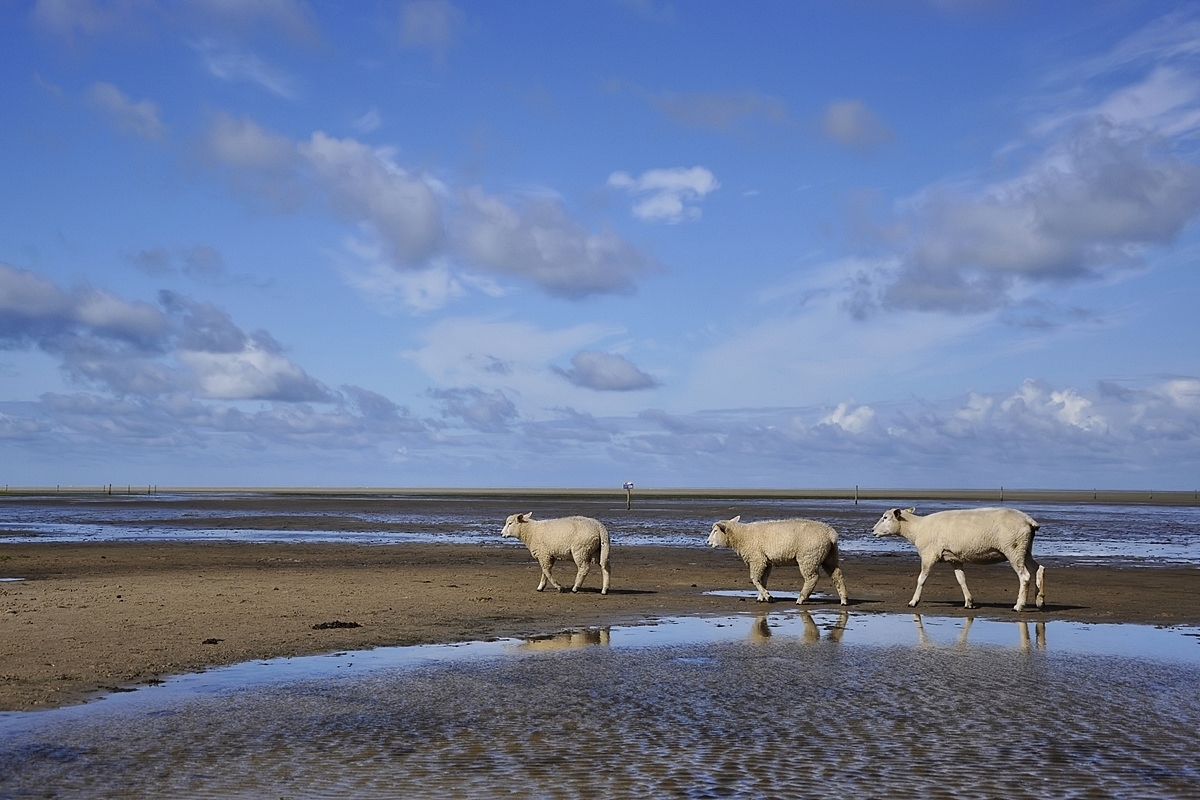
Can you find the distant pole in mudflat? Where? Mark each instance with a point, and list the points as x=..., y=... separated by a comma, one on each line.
x=856, y=494
x=628, y=494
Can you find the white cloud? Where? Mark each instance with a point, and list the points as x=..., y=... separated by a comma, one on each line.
x=432, y=25
x=369, y=122
x=229, y=64
x=606, y=372
x=366, y=184
x=415, y=215
x=139, y=118
x=668, y=195
x=539, y=242
x=253, y=373
x=851, y=420
x=245, y=145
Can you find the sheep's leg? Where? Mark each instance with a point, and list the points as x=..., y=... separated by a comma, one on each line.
x=759, y=572
x=839, y=583
x=1040, y=579
x=1023, y=587
x=605, y=573
x=926, y=566
x=961, y=577
x=583, y=565
x=830, y=565
x=810, y=582
x=547, y=563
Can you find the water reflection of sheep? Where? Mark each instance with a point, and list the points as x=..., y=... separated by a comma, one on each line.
x=567, y=640
x=1022, y=632
x=760, y=631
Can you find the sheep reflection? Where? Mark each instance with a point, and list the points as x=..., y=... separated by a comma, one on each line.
x=567, y=640
x=760, y=631
x=1024, y=642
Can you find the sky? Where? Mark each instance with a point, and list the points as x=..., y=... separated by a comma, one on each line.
x=770, y=244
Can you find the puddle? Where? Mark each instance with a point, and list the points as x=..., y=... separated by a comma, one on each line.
x=787, y=703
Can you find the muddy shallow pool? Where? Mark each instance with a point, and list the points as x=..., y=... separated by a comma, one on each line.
x=788, y=704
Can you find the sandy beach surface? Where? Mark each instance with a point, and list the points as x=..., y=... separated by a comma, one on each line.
x=99, y=617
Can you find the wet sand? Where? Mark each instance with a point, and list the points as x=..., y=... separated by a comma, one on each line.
x=100, y=617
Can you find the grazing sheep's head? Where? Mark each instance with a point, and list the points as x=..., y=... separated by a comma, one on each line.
x=889, y=523
x=510, y=525
x=719, y=535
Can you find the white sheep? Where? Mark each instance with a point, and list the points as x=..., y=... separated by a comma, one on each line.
x=762, y=545
x=582, y=538
x=970, y=536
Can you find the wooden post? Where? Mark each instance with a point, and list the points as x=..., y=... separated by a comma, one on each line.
x=628, y=495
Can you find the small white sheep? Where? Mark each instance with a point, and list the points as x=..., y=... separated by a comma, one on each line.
x=762, y=545
x=581, y=538
x=970, y=536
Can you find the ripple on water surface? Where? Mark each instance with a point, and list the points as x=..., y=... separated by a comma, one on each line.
x=790, y=704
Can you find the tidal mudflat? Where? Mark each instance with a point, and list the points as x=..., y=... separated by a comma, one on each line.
x=786, y=703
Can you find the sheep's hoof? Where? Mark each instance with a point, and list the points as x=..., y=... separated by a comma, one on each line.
x=972, y=605
x=913, y=604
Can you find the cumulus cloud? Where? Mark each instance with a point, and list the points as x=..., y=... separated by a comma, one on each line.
x=420, y=221
x=138, y=118
x=667, y=195
x=363, y=183
x=489, y=412
x=539, y=242
x=851, y=420
x=34, y=309
x=1106, y=174
x=606, y=372
x=852, y=125
x=245, y=145
x=1087, y=208
x=140, y=349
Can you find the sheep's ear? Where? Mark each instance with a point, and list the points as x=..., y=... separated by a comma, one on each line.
x=525, y=517
x=721, y=527
x=910, y=511
x=738, y=518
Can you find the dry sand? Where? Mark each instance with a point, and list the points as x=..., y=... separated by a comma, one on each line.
x=99, y=617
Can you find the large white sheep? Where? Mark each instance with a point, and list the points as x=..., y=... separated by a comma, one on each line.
x=810, y=544
x=581, y=538
x=970, y=536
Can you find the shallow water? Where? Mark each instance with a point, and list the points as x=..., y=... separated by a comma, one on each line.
x=788, y=704
x=1157, y=534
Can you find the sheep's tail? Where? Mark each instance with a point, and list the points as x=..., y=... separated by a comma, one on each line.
x=605, y=547
x=832, y=558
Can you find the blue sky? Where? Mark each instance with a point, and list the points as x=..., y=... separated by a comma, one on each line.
x=714, y=244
